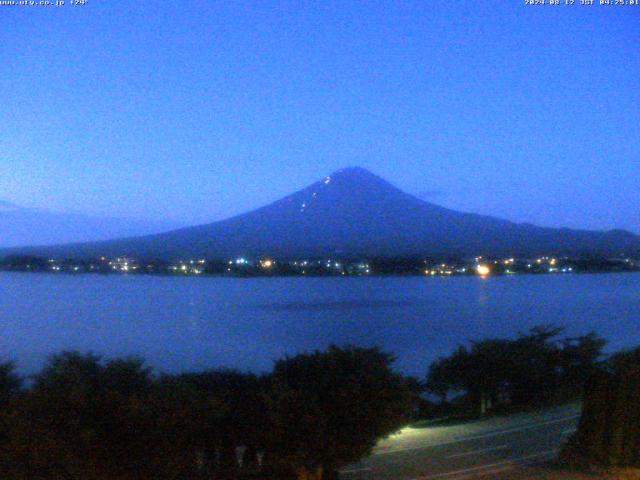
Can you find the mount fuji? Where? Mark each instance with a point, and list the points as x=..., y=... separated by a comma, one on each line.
x=354, y=213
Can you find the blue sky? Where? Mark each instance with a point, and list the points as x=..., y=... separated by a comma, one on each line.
x=195, y=111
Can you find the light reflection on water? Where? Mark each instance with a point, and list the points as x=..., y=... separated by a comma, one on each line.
x=192, y=323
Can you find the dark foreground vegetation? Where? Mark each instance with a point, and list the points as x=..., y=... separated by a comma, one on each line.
x=82, y=417
x=538, y=368
x=609, y=430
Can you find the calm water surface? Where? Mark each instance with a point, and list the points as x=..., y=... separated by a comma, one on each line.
x=193, y=323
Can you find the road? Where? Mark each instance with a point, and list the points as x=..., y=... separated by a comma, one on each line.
x=468, y=450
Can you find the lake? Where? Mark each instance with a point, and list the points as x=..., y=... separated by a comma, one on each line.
x=192, y=323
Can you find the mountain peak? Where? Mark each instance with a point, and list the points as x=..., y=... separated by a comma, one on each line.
x=353, y=173
x=358, y=178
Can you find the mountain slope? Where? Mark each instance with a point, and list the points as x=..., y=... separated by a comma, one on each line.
x=356, y=213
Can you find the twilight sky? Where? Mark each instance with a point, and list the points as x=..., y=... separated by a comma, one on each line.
x=196, y=110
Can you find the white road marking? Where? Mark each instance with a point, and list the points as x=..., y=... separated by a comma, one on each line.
x=474, y=452
x=354, y=470
x=491, y=466
x=484, y=473
x=484, y=435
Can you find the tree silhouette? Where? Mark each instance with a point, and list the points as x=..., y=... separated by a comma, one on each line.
x=10, y=383
x=328, y=409
x=532, y=369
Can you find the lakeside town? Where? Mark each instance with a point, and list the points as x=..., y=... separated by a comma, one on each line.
x=268, y=266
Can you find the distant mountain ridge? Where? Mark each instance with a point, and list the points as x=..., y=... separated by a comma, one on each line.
x=21, y=226
x=354, y=213
x=7, y=206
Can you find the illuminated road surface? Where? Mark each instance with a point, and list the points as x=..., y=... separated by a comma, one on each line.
x=468, y=450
